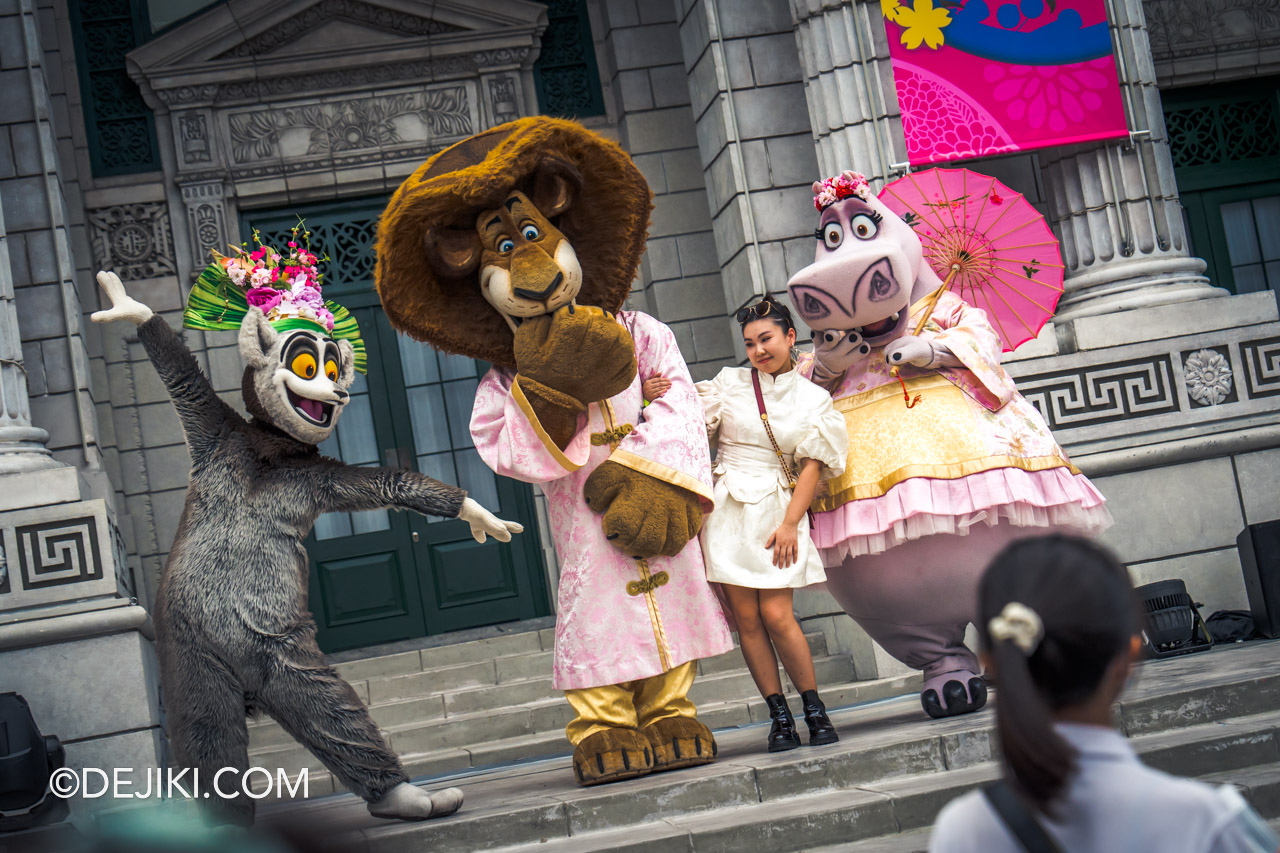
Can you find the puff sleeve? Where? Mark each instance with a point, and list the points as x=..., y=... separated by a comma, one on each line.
x=825, y=437
x=710, y=398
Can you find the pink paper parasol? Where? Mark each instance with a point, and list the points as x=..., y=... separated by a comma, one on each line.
x=987, y=243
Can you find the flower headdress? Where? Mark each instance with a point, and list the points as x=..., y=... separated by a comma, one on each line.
x=842, y=186
x=284, y=284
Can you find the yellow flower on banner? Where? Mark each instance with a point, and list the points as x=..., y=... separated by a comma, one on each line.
x=922, y=23
x=890, y=9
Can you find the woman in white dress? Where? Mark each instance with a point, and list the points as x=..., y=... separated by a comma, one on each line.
x=756, y=543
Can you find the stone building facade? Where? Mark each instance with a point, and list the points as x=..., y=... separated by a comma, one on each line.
x=140, y=151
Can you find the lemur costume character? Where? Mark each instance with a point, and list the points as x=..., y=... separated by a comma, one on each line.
x=233, y=632
x=518, y=247
x=929, y=493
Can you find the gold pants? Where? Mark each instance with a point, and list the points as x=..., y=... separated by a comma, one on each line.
x=632, y=704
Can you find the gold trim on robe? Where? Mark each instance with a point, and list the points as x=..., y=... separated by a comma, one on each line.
x=662, y=472
x=517, y=394
x=939, y=438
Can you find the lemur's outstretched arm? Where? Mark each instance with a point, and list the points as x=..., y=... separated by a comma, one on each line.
x=199, y=408
x=348, y=488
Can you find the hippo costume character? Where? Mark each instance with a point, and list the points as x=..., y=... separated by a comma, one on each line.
x=931, y=492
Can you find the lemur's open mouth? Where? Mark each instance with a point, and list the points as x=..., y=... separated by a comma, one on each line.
x=316, y=411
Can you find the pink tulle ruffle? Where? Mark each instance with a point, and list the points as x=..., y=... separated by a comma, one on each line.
x=922, y=507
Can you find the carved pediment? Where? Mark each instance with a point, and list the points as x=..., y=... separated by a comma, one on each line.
x=257, y=50
x=336, y=23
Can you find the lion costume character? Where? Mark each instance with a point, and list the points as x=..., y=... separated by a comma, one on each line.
x=518, y=246
x=233, y=632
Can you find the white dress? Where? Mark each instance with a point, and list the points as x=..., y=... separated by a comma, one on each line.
x=751, y=491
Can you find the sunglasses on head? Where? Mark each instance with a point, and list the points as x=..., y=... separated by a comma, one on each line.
x=760, y=309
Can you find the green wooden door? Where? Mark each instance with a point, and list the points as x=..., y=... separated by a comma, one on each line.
x=382, y=576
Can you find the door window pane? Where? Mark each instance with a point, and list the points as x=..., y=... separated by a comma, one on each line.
x=430, y=419
x=353, y=441
x=441, y=389
x=1253, y=242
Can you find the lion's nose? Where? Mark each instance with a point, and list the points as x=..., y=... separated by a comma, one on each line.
x=540, y=295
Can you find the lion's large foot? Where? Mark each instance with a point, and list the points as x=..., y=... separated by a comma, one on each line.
x=611, y=756
x=953, y=693
x=680, y=742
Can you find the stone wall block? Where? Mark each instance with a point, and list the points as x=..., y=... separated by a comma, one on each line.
x=669, y=86
x=688, y=298
x=1159, y=516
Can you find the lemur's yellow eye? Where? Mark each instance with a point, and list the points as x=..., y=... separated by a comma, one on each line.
x=331, y=370
x=304, y=365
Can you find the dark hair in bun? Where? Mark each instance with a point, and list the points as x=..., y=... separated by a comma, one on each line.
x=767, y=308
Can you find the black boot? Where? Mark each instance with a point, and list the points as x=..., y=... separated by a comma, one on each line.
x=782, y=734
x=821, y=731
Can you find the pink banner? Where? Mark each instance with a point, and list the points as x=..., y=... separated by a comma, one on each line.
x=974, y=81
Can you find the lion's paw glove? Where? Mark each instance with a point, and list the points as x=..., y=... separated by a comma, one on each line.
x=579, y=351
x=643, y=516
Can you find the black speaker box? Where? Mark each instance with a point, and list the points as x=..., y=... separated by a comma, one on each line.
x=1259, y=546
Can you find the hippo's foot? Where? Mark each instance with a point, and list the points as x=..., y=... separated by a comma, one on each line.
x=953, y=693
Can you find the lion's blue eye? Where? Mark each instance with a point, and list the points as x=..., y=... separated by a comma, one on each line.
x=530, y=232
x=505, y=245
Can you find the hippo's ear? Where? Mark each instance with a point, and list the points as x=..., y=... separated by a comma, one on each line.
x=817, y=187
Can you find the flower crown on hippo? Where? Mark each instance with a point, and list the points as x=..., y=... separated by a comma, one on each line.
x=285, y=284
x=844, y=185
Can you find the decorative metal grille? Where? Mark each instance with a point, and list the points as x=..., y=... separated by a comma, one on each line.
x=122, y=134
x=347, y=242
x=565, y=73
x=1224, y=132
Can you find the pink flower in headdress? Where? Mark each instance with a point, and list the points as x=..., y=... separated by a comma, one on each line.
x=845, y=185
x=265, y=298
x=305, y=294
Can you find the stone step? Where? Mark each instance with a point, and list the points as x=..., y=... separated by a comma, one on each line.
x=400, y=698
x=876, y=813
x=470, y=715
x=892, y=771
x=551, y=743
x=473, y=651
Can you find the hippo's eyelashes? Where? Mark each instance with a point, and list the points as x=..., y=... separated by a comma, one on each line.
x=831, y=235
x=866, y=225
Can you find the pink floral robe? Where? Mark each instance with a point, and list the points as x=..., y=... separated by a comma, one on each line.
x=973, y=450
x=604, y=634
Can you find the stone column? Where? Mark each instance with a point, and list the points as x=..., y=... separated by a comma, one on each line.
x=853, y=106
x=22, y=445
x=754, y=141
x=1115, y=206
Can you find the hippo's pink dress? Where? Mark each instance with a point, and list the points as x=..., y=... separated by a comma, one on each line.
x=605, y=633
x=972, y=451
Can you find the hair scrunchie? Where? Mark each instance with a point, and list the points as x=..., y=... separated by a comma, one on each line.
x=1018, y=624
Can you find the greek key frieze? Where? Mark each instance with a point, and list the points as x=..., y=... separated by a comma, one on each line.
x=1103, y=394
x=1261, y=360
x=59, y=552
